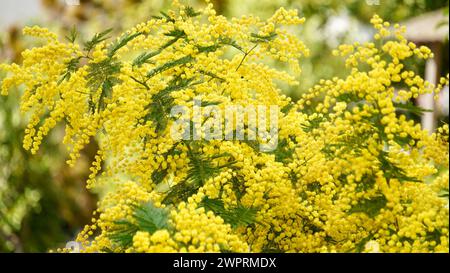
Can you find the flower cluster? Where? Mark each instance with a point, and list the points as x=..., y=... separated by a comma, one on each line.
x=351, y=171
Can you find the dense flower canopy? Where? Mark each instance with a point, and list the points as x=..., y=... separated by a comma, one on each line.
x=351, y=171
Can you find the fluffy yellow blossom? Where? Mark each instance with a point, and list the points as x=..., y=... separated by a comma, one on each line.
x=350, y=172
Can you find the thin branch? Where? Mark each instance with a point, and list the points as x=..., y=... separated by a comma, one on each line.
x=245, y=56
x=141, y=83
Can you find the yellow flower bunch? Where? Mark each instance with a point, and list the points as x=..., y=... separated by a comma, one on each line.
x=350, y=172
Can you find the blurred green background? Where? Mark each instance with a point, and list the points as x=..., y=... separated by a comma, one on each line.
x=43, y=202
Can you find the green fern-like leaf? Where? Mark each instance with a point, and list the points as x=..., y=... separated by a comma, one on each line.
x=72, y=36
x=201, y=168
x=348, y=98
x=313, y=124
x=144, y=58
x=176, y=33
x=361, y=244
x=150, y=218
x=190, y=12
x=180, y=193
x=97, y=39
x=123, y=41
x=256, y=38
x=283, y=153
x=167, y=17
x=162, y=102
x=443, y=193
x=212, y=75
x=146, y=217
x=158, y=176
x=285, y=110
x=169, y=65
x=102, y=76
x=123, y=233
x=71, y=67
x=236, y=216
x=371, y=206
x=411, y=108
x=230, y=42
x=208, y=49
x=392, y=171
